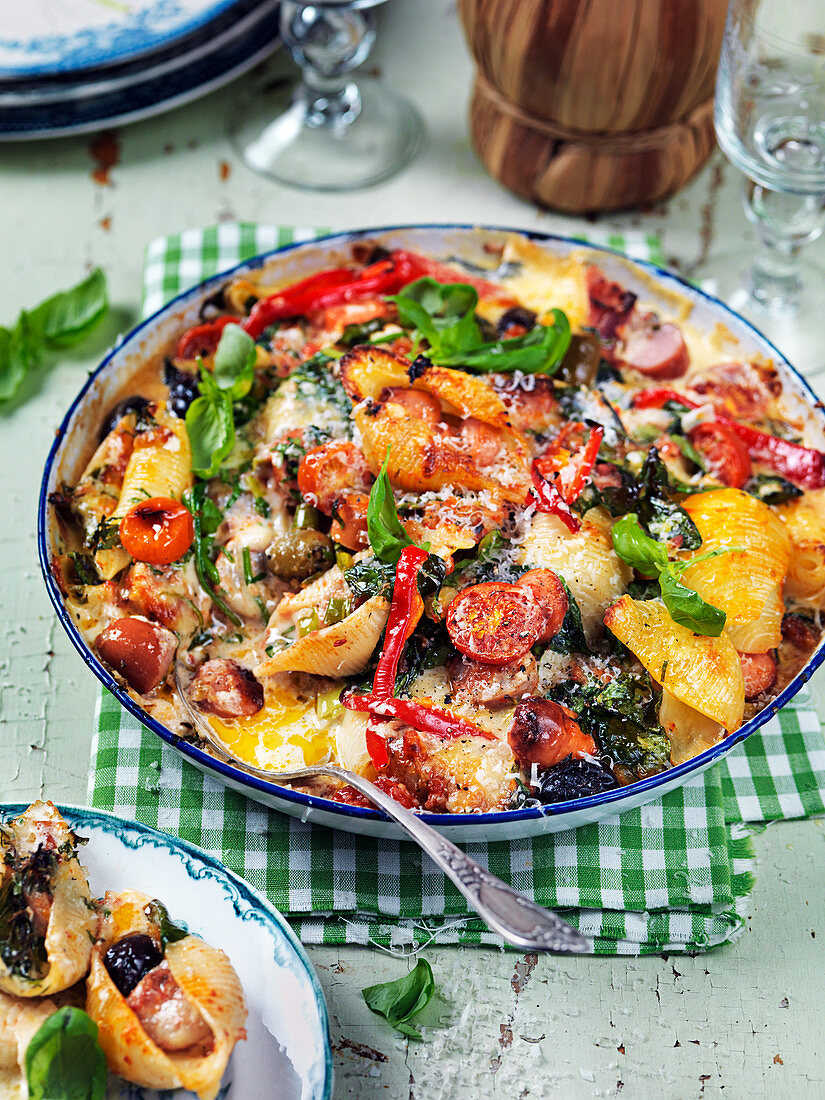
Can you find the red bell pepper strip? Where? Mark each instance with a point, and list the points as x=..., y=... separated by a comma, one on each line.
x=377, y=747
x=547, y=498
x=584, y=465
x=803, y=466
x=421, y=716
x=407, y=608
x=656, y=398
x=335, y=287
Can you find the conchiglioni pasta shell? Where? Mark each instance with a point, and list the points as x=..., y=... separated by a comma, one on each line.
x=351, y=741
x=805, y=521
x=585, y=559
x=341, y=649
x=205, y=975
x=463, y=395
x=20, y=1019
x=366, y=371
x=689, y=731
x=703, y=673
x=747, y=586
x=73, y=917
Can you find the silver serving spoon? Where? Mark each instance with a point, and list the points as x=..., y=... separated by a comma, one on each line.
x=518, y=919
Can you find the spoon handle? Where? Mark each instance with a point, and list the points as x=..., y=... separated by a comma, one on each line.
x=518, y=919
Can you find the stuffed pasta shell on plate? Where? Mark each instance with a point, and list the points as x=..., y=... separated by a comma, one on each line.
x=521, y=530
x=210, y=996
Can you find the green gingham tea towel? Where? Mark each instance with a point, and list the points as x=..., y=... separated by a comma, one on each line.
x=673, y=875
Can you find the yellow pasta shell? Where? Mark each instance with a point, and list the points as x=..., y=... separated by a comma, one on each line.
x=704, y=673
x=73, y=918
x=463, y=395
x=805, y=521
x=365, y=372
x=341, y=649
x=689, y=731
x=205, y=975
x=585, y=559
x=20, y=1019
x=747, y=586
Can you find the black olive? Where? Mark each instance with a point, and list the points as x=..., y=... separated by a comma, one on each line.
x=213, y=306
x=131, y=959
x=183, y=388
x=112, y=419
x=573, y=779
x=518, y=315
x=488, y=330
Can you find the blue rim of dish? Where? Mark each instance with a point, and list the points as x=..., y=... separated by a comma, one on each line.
x=308, y=801
x=93, y=816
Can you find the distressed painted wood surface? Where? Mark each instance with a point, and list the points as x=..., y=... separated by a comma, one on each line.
x=741, y=1022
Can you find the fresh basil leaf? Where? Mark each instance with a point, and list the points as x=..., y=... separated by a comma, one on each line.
x=402, y=999
x=539, y=351
x=210, y=427
x=638, y=549
x=687, y=607
x=64, y=1060
x=67, y=317
x=206, y=518
x=14, y=361
x=170, y=932
x=234, y=362
x=386, y=534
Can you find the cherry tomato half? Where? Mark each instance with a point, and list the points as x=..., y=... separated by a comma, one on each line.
x=158, y=531
x=548, y=592
x=203, y=339
x=726, y=455
x=494, y=623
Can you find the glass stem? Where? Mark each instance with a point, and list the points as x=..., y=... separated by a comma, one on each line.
x=785, y=222
x=327, y=42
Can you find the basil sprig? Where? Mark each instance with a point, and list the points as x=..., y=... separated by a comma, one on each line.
x=60, y=321
x=444, y=315
x=649, y=557
x=64, y=1060
x=402, y=999
x=210, y=422
x=385, y=531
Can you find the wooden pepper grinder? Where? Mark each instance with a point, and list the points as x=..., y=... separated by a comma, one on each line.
x=586, y=105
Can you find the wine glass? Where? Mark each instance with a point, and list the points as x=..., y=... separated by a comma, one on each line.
x=770, y=123
x=328, y=133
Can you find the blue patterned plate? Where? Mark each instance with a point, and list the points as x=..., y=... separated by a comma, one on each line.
x=288, y=1032
x=51, y=36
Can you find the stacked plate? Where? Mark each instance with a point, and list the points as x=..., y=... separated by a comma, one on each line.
x=69, y=68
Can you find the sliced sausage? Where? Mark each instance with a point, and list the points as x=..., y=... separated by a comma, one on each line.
x=418, y=405
x=544, y=733
x=166, y=1014
x=759, y=670
x=490, y=685
x=142, y=652
x=742, y=390
x=226, y=689
x=481, y=441
x=799, y=631
x=550, y=595
x=655, y=349
x=349, y=520
x=610, y=304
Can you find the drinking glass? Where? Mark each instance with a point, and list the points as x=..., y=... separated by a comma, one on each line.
x=328, y=132
x=770, y=123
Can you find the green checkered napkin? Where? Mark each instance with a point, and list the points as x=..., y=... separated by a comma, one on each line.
x=673, y=875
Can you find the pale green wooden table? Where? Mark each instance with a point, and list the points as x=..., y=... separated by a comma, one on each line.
x=744, y=1019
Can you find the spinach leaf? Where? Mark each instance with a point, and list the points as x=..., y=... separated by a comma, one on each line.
x=207, y=517
x=444, y=315
x=771, y=488
x=649, y=557
x=60, y=321
x=663, y=518
x=570, y=637
x=402, y=999
x=622, y=718
x=315, y=382
x=64, y=1060
x=386, y=534
x=492, y=562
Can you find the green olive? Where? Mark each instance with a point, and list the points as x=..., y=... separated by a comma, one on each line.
x=581, y=362
x=299, y=554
